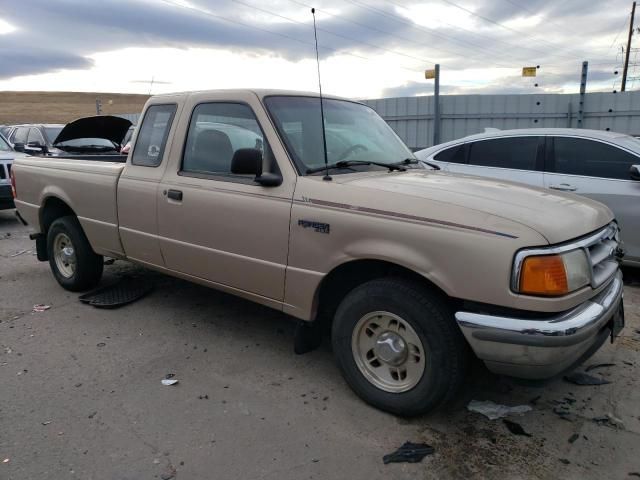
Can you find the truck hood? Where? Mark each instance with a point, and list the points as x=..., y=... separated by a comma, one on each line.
x=100, y=126
x=556, y=216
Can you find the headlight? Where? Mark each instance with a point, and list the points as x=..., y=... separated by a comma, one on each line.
x=553, y=275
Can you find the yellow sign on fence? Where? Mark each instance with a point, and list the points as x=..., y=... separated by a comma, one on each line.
x=429, y=74
x=529, y=71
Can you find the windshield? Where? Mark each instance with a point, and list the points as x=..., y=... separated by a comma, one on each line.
x=87, y=143
x=353, y=132
x=4, y=146
x=52, y=133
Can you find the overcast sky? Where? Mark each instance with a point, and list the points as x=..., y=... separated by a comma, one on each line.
x=368, y=48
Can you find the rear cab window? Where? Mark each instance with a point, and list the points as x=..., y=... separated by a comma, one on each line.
x=153, y=134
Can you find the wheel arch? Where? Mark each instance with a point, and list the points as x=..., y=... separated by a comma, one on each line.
x=53, y=208
x=345, y=277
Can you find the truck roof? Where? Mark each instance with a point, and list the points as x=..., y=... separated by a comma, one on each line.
x=260, y=92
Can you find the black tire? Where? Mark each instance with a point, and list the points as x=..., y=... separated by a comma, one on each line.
x=88, y=265
x=431, y=317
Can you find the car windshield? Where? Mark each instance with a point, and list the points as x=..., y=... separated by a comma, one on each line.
x=354, y=132
x=4, y=146
x=87, y=143
x=52, y=132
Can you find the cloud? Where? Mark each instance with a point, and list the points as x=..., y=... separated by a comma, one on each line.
x=412, y=35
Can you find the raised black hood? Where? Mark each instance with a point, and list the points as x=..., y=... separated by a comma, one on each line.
x=100, y=126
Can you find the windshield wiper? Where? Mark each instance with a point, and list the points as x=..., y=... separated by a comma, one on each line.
x=349, y=163
x=411, y=161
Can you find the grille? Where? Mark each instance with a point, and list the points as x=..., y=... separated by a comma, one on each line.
x=602, y=250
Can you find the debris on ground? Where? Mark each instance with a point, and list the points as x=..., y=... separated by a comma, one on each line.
x=515, y=428
x=123, y=292
x=599, y=365
x=17, y=254
x=493, y=411
x=6, y=460
x=634, y=474
x=46, y=423
x=565, y=461
x=40, y=307
x=168, y=379
x=409, y=452
x=581, y=378
x=573, y=438
x=609, y=420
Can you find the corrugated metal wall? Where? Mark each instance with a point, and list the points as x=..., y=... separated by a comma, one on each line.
x=462, y=115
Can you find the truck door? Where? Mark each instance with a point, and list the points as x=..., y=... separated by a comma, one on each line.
x=216, y=225
x=138, y=186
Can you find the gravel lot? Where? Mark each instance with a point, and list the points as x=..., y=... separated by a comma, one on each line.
x=80, y=395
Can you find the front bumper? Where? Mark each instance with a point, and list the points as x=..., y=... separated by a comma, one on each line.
x=540, y=349
x=6, y=197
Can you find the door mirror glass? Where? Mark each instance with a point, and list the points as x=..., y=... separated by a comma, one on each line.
x=634, y=172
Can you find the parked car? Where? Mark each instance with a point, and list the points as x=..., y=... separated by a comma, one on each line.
x=604, y=166
x=34, y=136
x=99, y=135
x=410, y=268
x=7, y=156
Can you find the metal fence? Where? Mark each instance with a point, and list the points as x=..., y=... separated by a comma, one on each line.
x=412, y=117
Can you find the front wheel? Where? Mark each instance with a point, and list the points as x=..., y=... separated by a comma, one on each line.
x=73, y=262
x=398, y=346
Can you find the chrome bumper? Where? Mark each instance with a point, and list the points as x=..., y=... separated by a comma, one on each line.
x=539, y=349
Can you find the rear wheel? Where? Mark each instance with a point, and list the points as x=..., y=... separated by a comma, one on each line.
x=398, y=346
x=73, y=262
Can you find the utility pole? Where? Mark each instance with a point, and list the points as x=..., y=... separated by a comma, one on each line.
x=436, y=106
x=626, y=54
x=98, y=106
x=583, y=90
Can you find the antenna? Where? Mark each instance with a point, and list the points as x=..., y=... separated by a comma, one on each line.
x=324, y=138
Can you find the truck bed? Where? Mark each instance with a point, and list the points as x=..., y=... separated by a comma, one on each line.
x=87, y=186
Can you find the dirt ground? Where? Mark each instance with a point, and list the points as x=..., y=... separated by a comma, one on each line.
x=80, y=395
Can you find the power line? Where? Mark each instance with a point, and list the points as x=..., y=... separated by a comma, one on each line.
x=284, y=35
x=346, y=37
x=404, y=39
x=457, y=27
x=506, y=27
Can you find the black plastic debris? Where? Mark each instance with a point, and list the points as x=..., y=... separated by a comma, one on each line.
x=634, y=474
x=580, y=378
x=515, y=428
x=599, y=365
x=118, y=294
x=573, y=438
x=564, y=460
x=409, y=453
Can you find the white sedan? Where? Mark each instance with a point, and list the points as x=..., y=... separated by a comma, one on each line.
x=601, y=165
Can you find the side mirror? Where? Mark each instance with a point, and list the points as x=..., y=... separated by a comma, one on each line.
x=634, y=172
x=248, y=161
x=35, y=147
x=18, y=147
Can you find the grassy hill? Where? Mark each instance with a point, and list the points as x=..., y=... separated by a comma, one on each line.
x=62, y=107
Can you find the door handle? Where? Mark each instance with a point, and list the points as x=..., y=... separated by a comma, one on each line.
x=565, y=187
x=175, y=195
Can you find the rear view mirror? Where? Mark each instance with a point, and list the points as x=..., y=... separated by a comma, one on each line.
x=248, y=161
x=634, y=172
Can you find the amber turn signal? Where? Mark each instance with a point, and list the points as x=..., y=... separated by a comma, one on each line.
x=544, y=275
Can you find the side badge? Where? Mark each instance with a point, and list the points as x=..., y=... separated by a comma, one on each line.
x=317, y=226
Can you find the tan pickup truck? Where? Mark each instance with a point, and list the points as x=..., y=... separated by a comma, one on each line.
x=412, y=269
